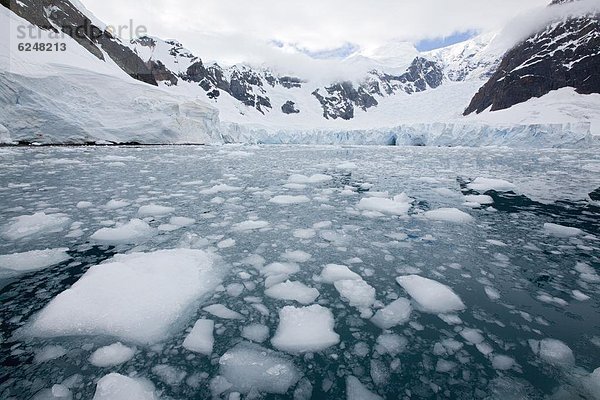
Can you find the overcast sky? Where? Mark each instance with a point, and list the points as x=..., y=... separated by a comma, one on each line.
x=242, y=30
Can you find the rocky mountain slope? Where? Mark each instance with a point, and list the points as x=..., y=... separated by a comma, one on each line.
x=564, y=54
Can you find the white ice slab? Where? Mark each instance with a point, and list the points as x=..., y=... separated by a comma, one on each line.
x=250, y=367
x=334, y=272
x=306, y=329
x=133, y=232
x=220, y=311
x=294, y=291
x=112, y=355
x=561, y=231
x=431, y=296
x=34, y=225
x=137, y=297
x=119, y=387
x=399, y=205
x=201, y=339
x=449, y=215
x=21, y=263
x=483, y=185
x=355, y=390
x=396, y=313
x=286, y=199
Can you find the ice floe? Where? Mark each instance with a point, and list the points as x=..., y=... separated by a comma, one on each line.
x=483, y=185
x=303, y=179
x=334, y=272
x=35, y=260
x=355, y=390
x=119, y=387
x=561, y=231
x=357, y=293
x=431, y=296
x=396, y=313
x=201, y=339
x=220, y=311
x=295, y=291
x=399, y=205
x=112, y=355
x=133, y=232
x=305, y=329
x=137, y=297
x=34, y=225
x=248, y=367
x=249, y=225
x=449, y=215
x=286, y=199
x=553, y=351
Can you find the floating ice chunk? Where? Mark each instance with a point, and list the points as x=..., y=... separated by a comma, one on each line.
x=334, y=272
x=84, y=204
x=169, y=374
x=392, y=344
x=298, y=256
x=295, y=291
x=357, y=293
x=306, y=329
x=250, y=367
x=182, y=221
x=347, y=165
x=285, y=199
x=220, y=311
x=380, y=373
x=48, y=353
x=431, y=296
x=561, y=231
x=256, y=332
x=56, y=392
x=135, y=231
x=249, y=226
x=492, y=293
x=496, y=243
x=355, y=390
x=399, y=205
x=119, y=387
x=553, y=351
x=200, y=339
x=110, y=356
x=304, y=233
x=502, y=362
x=220, y=188
x=579, y=295
x=587, y=273
x=472, y=336
x=281, y=269
x=37, y=224
x=225, y=244
x=138, y=297
x=444, y=366
x=483, y=185
x=449, y=215
x=394, y=314
x=303, y=179
x=21, y=263
x=154, y=210
x=219, y=385
x=479, y=199
x=116, y=204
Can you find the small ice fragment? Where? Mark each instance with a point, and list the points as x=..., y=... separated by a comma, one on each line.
x=303, y=179
x=34, y=225
x=154, y=210
x=256, y=332
x=357, y=293
x=304, y=233
x=249, y=225
x=449, y=215
x=492, y=294
x=479, y=199
x=392, y=344
x=116, y=204
x=200, y=339
x=249, y=367
x=169, y=374
x=502, y=362
x=286, y=199
x=394, y=314
x=553, y=351
x=182, y=221
x=21, y=263
x=48, y=353
x=225, y=244
x=472, y=336
x=306, y=329
x=431, y=296
x=133, y=232
x=399, y=205
x=355, y=390
x=561, y=231
x=110, y=356
x=119, y=387
x=334, y=272
x=298, y=256
x=295, y=291
x=220, y=311
x=483, y=185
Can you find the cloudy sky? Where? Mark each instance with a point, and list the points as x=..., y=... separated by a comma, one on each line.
x=256, y=31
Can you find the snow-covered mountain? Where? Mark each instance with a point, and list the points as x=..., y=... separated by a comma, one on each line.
x=399, y=96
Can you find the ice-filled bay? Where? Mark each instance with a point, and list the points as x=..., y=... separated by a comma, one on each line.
x=416, y=273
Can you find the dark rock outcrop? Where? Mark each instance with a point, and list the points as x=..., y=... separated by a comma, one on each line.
x=289, y=107
x=60, y=16
x=565, y=54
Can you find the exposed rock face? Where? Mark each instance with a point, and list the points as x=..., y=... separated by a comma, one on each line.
x=339, y=100
x=55, y=15
x=564, y=54
x=289, y=108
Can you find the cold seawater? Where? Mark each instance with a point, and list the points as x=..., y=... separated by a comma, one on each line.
x=299, y=272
